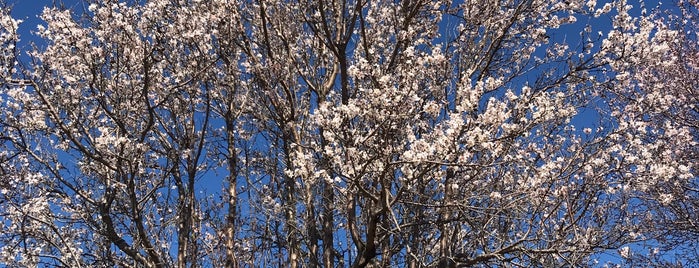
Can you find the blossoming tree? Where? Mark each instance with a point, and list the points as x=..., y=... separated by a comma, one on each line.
x=656, y=93
x=345, y=133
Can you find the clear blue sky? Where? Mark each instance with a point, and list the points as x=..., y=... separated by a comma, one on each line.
x=29, y=11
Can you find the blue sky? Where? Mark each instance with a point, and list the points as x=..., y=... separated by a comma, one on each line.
x=29, y=11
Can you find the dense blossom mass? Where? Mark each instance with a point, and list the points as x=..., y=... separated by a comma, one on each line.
x=338, y=133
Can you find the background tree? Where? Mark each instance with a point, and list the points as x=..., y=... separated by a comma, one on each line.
x=657, y=92
x=346, y=133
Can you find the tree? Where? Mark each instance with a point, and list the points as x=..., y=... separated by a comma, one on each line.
x=344, y=133
x=657, y=89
